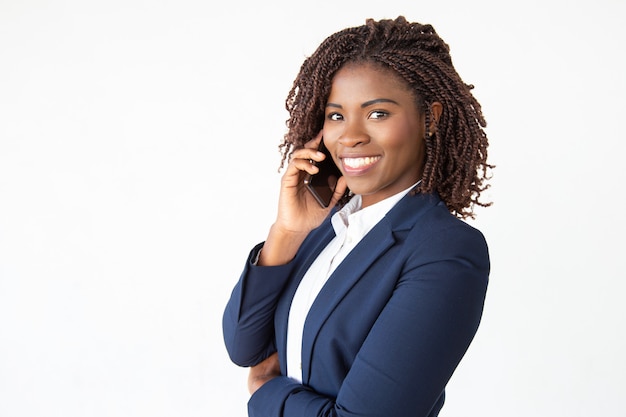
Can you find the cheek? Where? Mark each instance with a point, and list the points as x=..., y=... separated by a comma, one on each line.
x=405, y=147
x=405, y=136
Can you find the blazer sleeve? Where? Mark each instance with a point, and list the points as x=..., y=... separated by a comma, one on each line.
x=430, y=320
x=248, y=320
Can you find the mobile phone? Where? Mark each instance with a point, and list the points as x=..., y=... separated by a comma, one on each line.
x=322, y=185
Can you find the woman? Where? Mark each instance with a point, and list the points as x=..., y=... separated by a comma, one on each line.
x=365, y=308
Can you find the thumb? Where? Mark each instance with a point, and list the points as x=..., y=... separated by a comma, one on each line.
x=340, y=190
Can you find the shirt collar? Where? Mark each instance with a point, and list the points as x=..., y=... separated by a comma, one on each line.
x=352, y=214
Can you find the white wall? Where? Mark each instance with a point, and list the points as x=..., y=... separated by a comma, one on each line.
x=138, y=165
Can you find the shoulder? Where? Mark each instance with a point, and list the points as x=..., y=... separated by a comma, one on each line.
x=428, y=213
x=434, y=233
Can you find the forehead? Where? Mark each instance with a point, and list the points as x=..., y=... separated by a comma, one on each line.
x=367, y=79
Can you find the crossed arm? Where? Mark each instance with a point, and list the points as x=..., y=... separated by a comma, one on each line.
x=431, y=318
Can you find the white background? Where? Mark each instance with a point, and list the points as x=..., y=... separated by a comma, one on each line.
x=138, y=165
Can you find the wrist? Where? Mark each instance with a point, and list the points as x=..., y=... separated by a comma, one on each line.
x=280, y=246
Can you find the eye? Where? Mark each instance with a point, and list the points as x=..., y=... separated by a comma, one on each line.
x=378, y=114
x=334, y=117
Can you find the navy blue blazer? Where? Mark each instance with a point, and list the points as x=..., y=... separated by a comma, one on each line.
x=387, y=330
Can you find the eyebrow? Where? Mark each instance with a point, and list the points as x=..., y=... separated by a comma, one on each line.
x=366, y=104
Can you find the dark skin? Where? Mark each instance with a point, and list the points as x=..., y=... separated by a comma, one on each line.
x=375, y=132
x=263, y=372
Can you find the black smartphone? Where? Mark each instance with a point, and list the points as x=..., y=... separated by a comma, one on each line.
x=322, y=185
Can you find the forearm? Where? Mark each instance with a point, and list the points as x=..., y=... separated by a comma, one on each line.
x=283, y=396
x=248, y=320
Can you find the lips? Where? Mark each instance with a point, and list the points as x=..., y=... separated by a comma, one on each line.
x=359, y=164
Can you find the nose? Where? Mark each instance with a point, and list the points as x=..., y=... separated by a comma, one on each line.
x=353, y=135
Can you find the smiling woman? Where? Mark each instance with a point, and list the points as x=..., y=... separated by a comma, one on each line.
x=367, y=306
x=375, y=131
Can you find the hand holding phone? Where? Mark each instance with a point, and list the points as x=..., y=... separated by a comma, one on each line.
x=322, y=185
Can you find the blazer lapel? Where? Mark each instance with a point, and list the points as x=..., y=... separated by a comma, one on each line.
x=318, y=241
x=403, y=216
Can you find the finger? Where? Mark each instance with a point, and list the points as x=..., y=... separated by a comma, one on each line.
x=340, y=189
x=308, y=155
x=306, y=165
x=315, y=142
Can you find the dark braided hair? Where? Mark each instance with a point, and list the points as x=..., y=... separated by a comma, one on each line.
x=456, y=153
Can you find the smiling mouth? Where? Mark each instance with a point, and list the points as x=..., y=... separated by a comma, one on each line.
x=359, y=163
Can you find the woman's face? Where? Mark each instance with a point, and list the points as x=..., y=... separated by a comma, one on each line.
x=374, y=131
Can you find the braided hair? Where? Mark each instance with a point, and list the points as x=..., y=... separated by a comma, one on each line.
x=456, y=153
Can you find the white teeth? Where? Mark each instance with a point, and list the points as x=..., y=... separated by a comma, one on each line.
x=360, y=162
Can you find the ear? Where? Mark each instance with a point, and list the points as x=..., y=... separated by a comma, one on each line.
x=436, y=108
